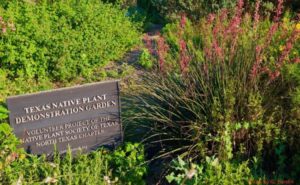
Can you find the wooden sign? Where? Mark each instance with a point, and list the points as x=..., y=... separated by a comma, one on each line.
x=83, y=117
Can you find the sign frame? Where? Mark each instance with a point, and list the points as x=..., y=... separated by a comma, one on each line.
x=110, y=110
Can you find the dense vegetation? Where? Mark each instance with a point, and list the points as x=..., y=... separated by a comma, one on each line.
x=216, y=99
x=46, y=44
x=123, y=166
x=63, y=40
x=227, y=92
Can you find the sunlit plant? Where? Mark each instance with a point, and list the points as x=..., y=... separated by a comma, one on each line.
x=226, y=96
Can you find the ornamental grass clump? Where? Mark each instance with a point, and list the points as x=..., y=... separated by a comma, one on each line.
x=230, y=100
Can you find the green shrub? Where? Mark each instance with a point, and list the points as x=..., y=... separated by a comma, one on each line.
x=194, y=9
x=63, y=40
x=21, y=86
x=8, y=147
x=291, y=76
x=145, y=59
x=211, y=172
x=125, y=165
x=128, y=164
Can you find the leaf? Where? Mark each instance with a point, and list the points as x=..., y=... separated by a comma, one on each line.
x=181, y=162
x=50, y=180
x=170, y=177
x=238, y=126
x=215, y=162
x=5, y=128
x=3, y=112
x=19, y=181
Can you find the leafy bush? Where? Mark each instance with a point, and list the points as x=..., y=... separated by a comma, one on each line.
x=62, y=40
x=8, y=148
x=227, y=96
x=125, y=165
x=194, y=9
x=20, y=86
x=128, y=164
x=211, y=172
x=145, y=59
x=292, y=78
x=100, y=167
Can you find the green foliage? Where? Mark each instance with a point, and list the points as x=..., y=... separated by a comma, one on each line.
x=292, y=74
x=122, y=2
x=3, y=113
x=123, y=166
x=217, y=107
x=63, y=40
x=232, y=101
x=194, y=9
x=8, y=147
x=292, y=78
x=99, y=167
x=128, y=163
x=145, y=59
x=20, y=85
x=212, y=171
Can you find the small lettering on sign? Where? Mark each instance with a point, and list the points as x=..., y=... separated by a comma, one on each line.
x=82, y=117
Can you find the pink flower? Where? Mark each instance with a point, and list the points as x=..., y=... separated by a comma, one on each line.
x=256, y=67
x=289, y=45
x=254, y=71
x=184, y=57
x=265, y=70
x=211, y=17
x=162, y=49
x=235, y=22
x=240, y=7
x=271, y=33
x=258, y=51
x=278, y=10
x=218, y=50
x=208, y=53
x=182, y=25
x=256, y=15
x=223, y=15
x=183, y=21
x=296, y=60
x=274, y=75
x=285, y=53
